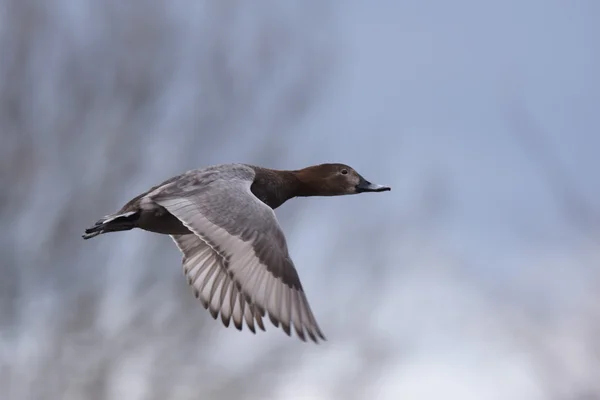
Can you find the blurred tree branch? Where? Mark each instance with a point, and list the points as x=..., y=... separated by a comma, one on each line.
x=95, y=99
x=539, y=335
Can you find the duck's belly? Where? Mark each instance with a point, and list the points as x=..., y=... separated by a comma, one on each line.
x=161, y=221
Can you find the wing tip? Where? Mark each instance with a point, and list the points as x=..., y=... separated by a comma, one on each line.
x=226, y=321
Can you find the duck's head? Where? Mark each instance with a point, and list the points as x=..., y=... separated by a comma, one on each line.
x=334, y=180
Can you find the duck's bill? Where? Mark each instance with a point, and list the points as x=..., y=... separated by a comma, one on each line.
x=366, y=186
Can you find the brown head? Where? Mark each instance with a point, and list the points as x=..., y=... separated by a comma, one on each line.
x=333, y=180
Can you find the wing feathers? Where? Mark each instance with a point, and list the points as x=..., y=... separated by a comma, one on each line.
x=230, y=279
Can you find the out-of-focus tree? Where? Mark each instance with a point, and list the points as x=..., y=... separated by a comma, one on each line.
x=98, y=100
x=564, y=349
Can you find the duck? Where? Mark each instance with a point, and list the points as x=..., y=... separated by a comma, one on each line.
x=235, y=255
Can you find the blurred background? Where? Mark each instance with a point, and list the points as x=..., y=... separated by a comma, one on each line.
x=476, y=277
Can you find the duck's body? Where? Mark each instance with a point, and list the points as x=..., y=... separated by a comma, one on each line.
x=235, y=254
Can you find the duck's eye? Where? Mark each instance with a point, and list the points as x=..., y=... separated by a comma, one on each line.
x=344, y=171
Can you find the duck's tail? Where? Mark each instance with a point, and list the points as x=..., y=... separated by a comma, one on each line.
x=113, y=223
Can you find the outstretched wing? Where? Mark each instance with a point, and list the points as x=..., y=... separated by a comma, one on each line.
x=240, y=254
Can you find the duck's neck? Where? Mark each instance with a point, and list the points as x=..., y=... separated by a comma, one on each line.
x=275, y=187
